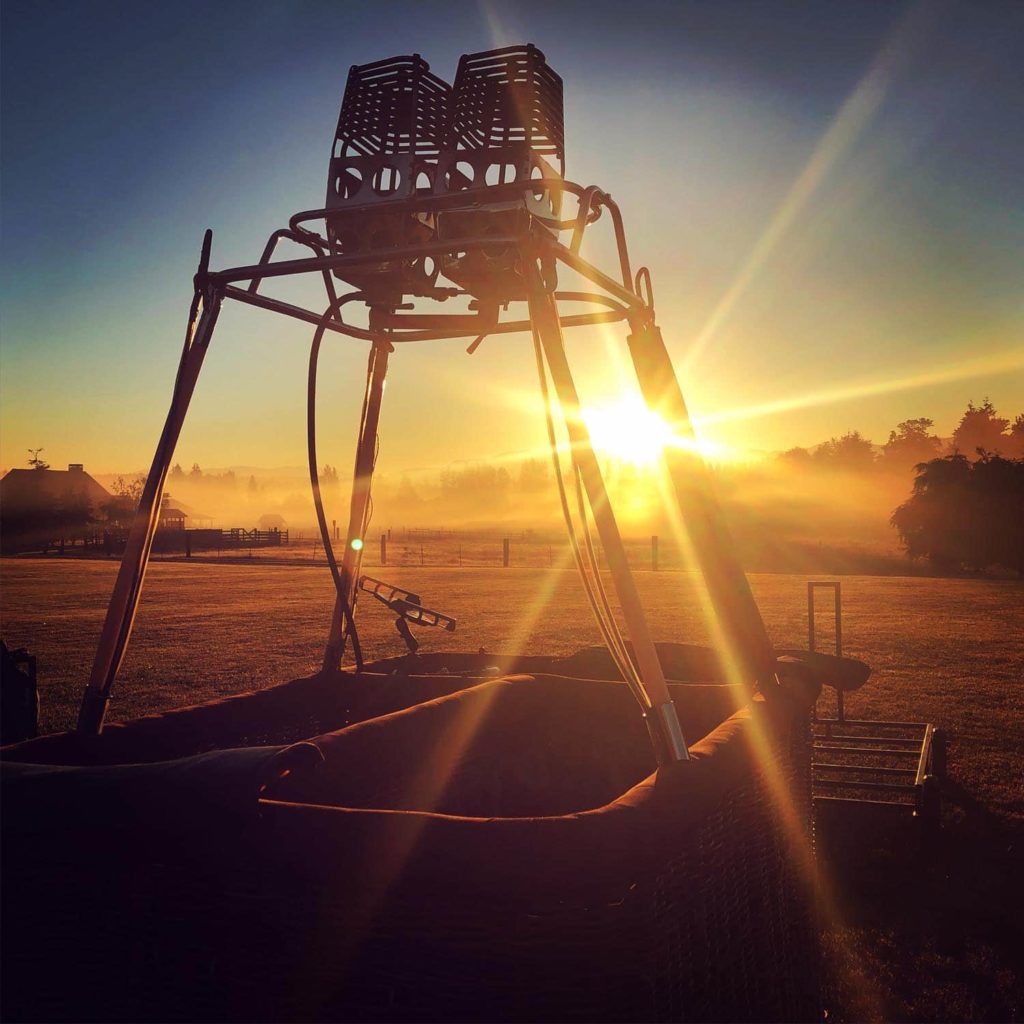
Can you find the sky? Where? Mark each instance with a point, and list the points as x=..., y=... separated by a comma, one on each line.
x=830, y=198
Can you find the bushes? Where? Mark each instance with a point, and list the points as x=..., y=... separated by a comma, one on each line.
x=965, y=515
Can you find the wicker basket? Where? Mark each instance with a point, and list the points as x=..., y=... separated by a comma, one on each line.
x=504, y=851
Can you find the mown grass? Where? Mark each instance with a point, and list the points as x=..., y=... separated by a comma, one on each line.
x=920, y=937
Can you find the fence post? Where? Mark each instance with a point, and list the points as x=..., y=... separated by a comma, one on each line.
x=383, y=549
x=188, y=544
x=939, y=753
x=654, y=552
x=504, y=552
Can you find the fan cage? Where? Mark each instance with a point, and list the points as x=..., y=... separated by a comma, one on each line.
x=392, y=123
x=392, y=106
x=506, y=97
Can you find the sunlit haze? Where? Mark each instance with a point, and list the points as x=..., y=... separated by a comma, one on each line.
x=629, y=431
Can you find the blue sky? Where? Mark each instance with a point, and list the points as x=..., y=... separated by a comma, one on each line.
x=830, y=197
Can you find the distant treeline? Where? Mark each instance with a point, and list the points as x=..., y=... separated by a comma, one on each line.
x=958, y=502
x=980, y=430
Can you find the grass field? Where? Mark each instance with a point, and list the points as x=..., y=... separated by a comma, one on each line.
x=938, y=938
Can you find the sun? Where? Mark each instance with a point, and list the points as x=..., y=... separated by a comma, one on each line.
x=629, y=431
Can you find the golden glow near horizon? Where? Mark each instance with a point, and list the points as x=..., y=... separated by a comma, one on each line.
x=628, y=430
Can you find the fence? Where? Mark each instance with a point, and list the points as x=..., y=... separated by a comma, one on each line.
x=408, y=548
x=174, y=542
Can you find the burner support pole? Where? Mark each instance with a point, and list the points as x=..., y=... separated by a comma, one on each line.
x=124, y=601
x=663, y=721
x=366, y=455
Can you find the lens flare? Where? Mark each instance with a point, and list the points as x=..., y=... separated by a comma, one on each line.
x=631, y=432
x=846, y=130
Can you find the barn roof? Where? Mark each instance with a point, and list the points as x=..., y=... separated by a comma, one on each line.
x=28, y=489
x=175, y=507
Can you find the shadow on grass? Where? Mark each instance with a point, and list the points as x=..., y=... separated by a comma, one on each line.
x=934, y=920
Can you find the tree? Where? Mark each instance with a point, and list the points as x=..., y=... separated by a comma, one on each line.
x=1017, y=437
x=120, y=510
x=981, y=430
x=475, y=481
x=911, y=443
x=407, y=496
x=36, y=462
x=797, y=459
x=533, y=476
x=73, y=513
x=851, y=452
x=965, y=515
x=999, y=506
x=129, y=488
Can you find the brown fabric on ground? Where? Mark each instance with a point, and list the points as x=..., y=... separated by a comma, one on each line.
x=839, y=673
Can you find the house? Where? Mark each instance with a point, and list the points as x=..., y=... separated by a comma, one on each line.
x=176, y=515
x=272, y=521
x=172, y=515
x=40, y=505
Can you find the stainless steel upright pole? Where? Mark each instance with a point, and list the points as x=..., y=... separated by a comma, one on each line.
x=366, y=453
x=713, y=548
x=544, y=314
x=124, y=601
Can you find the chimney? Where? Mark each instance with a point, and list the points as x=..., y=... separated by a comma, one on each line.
x=76, y=467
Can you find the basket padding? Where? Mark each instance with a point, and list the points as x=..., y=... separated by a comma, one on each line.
x=309, y=706
x=282, y=714
x=680, y=899
x=165, y=797
x=524, y=746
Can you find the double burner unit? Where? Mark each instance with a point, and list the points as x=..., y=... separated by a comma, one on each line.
x=441, y=193
x=416, y=161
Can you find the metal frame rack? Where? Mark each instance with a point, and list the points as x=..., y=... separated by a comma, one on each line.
x=889, y=766
x=448, y=194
